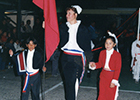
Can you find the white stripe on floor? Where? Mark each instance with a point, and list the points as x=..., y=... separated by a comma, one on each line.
x=51, y=89
x=82, y=87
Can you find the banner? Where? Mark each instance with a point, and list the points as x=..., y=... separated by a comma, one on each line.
x=51, y=25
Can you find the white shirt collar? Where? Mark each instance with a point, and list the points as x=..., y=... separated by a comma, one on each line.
x=78, y=22
x=31, y=51
x=110, y=51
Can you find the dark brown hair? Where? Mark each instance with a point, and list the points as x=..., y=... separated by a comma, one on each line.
x=71, y=8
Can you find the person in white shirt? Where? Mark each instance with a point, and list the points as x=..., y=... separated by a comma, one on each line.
x=135, y=64
x=33, y=62
x=17, y=46
x=74, y=45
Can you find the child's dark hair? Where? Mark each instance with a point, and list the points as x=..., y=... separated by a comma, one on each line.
x=110, y=37
x=31, y=39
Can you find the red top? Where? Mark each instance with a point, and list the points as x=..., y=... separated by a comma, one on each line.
x=114, y=62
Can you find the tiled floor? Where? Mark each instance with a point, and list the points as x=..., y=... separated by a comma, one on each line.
x=10, y=87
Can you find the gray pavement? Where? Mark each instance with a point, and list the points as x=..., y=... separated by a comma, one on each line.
x=10, y=87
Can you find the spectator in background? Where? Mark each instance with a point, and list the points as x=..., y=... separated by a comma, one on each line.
x=9, y=45
x=55, y=59
x=28, y=28
x=113, y=27
x=4, y=37
x=38, y=31
x=22, y=27
x=14, y=34
x=1, y=32
x=9, y=25
x=17, y=46
x=3, y=25
x=93, y=33
x=9, y=35
x=2, y=62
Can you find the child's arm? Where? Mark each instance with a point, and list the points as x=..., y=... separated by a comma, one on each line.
x=99, y=64
x=11, y=53
x=117, y=70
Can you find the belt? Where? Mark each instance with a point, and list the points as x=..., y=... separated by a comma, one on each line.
x=28, y=74
x=77, y=53
x=108, y=70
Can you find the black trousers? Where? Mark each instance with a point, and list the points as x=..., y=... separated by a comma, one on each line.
x=72, y=69
x=33, y=86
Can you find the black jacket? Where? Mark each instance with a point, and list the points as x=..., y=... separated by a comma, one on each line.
x=83, y=39
x=37, y=59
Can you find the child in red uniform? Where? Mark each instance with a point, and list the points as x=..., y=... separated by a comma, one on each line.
x=110, y=62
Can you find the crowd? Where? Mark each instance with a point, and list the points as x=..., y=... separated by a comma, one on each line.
x=10, y=39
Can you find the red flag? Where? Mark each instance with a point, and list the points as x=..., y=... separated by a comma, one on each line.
x=51, y=25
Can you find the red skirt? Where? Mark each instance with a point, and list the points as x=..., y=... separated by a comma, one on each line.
x=105, y=92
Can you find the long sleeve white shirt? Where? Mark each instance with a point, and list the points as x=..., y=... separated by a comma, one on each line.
x=30, y=62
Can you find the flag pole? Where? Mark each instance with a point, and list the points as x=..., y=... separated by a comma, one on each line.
x=43, y=78
x=138, y=25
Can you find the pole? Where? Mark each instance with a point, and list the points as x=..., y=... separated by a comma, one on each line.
x=43, y=76
x=19, y=18
x=138, y=24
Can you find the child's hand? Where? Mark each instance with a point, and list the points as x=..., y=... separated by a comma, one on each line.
x=11, y=52
x=92, y=64
x=112, y=85
x=44, y=69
